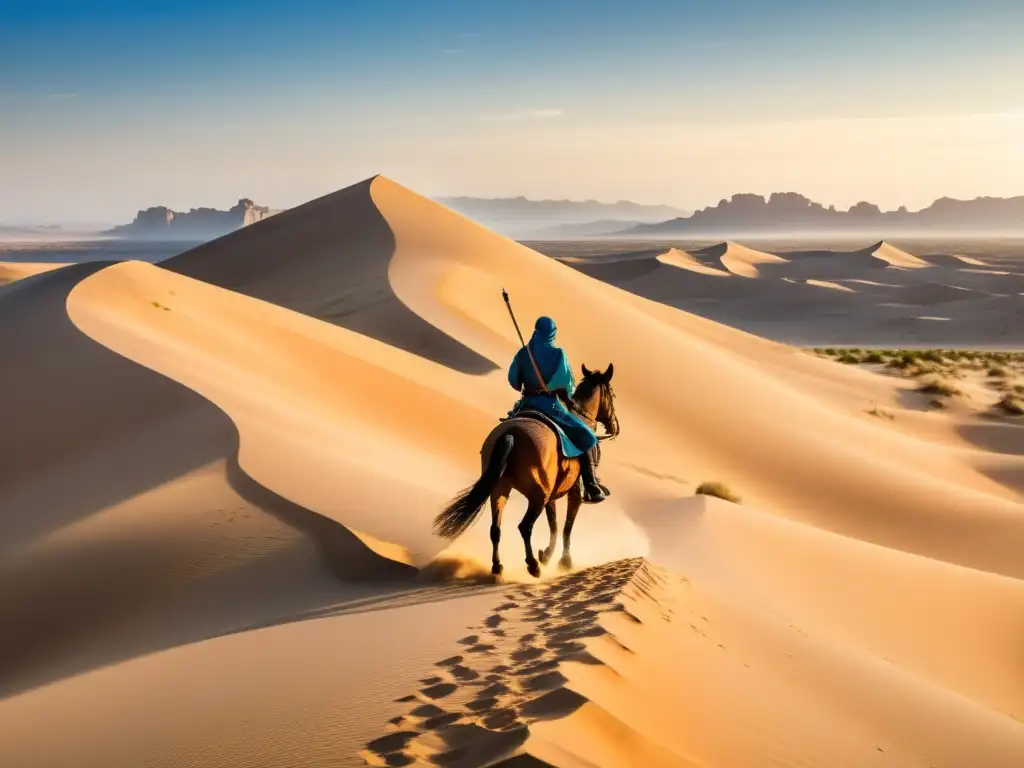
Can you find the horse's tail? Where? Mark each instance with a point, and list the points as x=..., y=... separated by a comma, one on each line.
x=463, y=509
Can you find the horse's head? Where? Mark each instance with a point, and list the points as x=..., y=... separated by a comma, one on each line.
x=596, y=398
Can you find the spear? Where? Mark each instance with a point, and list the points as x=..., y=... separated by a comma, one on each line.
x=536, y=370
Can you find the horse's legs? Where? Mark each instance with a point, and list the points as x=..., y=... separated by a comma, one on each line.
x=498, y=499
x=545, y=554
x=526, y=529
x=575, y=501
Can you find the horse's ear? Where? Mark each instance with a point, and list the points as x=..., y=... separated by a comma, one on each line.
x=608, y=373
x=586, y=372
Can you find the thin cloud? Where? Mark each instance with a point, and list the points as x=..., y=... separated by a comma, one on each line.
x=64, y=95
x=452, y=51
x=530, y=114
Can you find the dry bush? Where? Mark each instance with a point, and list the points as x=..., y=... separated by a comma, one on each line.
x=719, y=490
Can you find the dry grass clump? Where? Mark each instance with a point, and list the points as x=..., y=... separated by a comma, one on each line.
x=719, y=490
x=937, y=386
x=1012, y=405
x=881, y=413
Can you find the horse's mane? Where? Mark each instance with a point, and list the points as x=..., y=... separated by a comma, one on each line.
x=584, y=390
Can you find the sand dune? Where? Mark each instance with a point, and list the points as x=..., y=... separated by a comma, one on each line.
x=11, y=271
x=683, y=260
x=739, y=259
x=220, y=475
x=891, y=287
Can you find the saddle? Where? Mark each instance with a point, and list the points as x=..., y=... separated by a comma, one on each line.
x=543, y=418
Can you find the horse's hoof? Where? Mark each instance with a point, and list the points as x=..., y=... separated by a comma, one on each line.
x=565, y=563
x=534, y=568
x=543, y=555
x=496, y=569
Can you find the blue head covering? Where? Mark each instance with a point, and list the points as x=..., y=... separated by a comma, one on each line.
x=553, y=364
x=544, y=332
x=542, y=344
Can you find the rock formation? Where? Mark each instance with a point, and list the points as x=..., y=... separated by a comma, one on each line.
x=161, y=223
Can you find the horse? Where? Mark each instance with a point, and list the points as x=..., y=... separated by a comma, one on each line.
x=522, y=454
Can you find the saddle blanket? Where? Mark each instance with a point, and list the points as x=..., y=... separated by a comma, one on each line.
x=566, y=447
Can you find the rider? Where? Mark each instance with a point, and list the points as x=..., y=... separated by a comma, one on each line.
x=554, y=367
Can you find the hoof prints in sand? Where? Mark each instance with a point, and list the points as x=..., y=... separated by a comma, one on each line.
x=478, y=707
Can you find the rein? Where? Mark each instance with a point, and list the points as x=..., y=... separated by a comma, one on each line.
x=592, y=422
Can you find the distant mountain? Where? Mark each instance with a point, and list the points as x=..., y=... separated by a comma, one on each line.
x=161, y=223
x=599, y=228
x=785, y=212
x=518, y=216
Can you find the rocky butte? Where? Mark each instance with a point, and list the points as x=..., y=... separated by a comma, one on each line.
x=792, y=212
x=161, y=223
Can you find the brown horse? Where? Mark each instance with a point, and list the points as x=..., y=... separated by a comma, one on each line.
x=522, y=454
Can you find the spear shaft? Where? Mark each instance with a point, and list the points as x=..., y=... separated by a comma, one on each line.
x=536, y=370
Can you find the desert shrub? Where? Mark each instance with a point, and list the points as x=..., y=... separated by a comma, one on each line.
x=998, y=372
x=873, y=357
x=932, y=356
x=1012, y=405
x=881, y=413
x=848, y=358
x=936, y=386
x=719, y=490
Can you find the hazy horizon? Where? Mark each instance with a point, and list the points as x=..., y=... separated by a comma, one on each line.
x=115, y=108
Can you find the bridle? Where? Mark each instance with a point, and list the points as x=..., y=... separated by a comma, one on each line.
x=608, y=392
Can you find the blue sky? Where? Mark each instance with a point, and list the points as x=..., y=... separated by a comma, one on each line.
x=106, y=107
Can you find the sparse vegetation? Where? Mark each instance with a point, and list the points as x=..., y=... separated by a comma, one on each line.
x=720, y=490
x=881, y=413
x=1012, y=405
x=936, y=386
x=938, y=373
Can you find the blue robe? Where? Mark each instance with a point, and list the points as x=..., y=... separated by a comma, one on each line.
x=554, y=367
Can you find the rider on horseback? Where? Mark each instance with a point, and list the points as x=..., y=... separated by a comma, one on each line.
x=554, y=367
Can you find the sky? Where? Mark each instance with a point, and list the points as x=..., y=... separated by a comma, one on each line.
x=108, y=107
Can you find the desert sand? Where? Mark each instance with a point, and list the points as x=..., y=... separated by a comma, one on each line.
x=18, y=270
x=219, y=475
x=877, y=295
